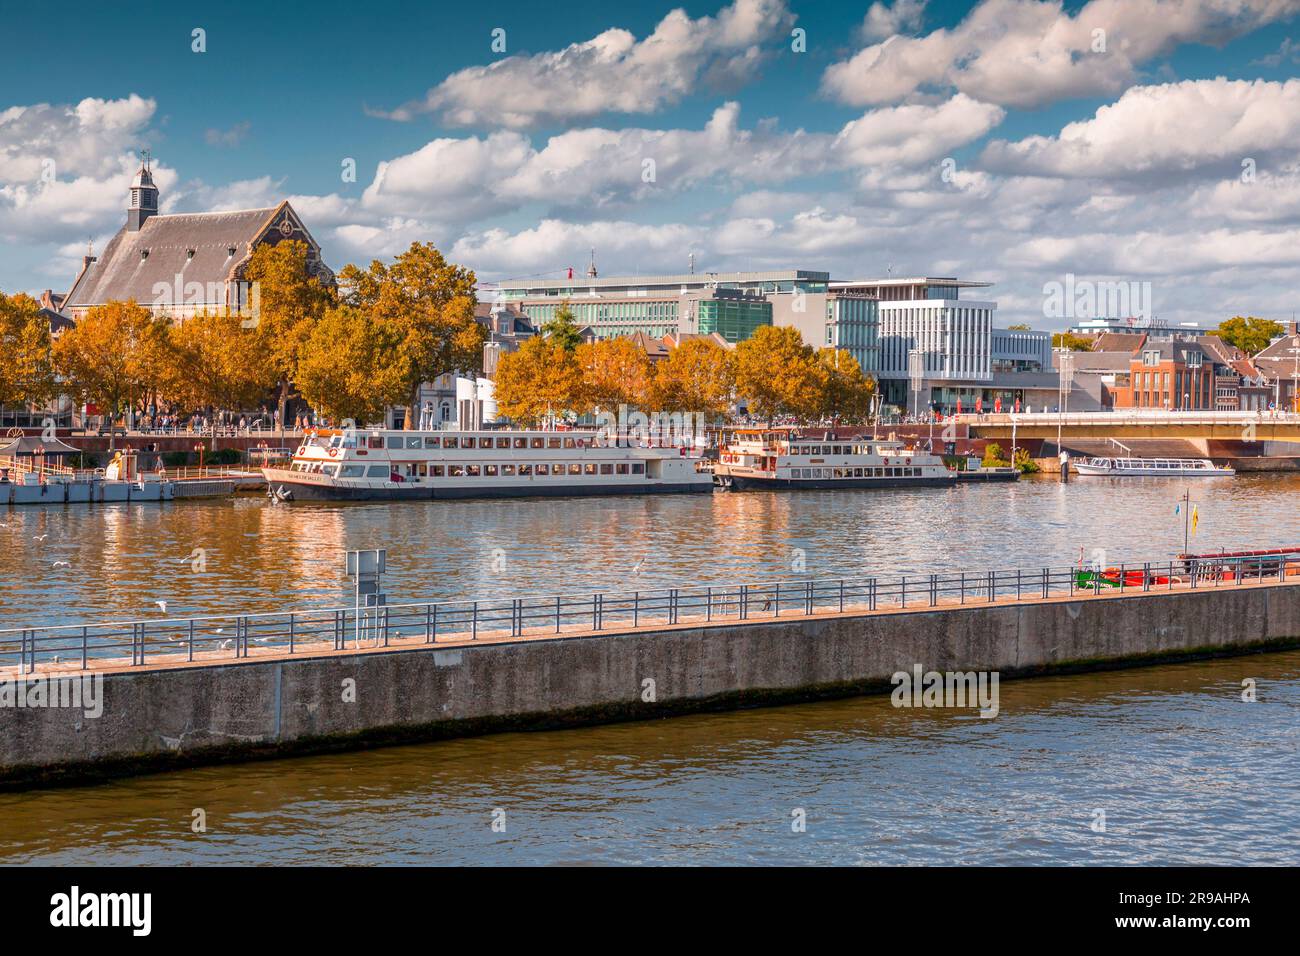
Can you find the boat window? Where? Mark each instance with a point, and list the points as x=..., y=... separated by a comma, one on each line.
x=377, y=471
x=525, y=470
x=620, y=468
x=508, y=470
x=468, y=442
x=432, y=442
x=503, y=442
x=472, y=471
x=521, y=443
x=575, y=469
x=568, y=443
x=543, y=469
x=456, y=471
x=591, y=468
x=352, y=471
x=857, y=472
x=638, y=468
x=394, y=441
x=415, y=442
x=451, y=442
x=552, y=443
x=607, y=469
x=536, y=443
x=436, y=471
x=490, y=471
x=375, y=441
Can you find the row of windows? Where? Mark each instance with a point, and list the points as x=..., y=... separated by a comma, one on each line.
x=395, y=442
x=421, y=469
x=855, y=472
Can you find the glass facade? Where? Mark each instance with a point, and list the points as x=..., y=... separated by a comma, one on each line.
x=654, y=317
x=853, y=324
x=734, y=319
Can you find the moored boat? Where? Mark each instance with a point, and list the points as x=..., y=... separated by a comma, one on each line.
x=1153, y=468
x=753, y=458
x=365, y=465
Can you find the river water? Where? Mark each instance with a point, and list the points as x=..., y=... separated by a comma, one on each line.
x=1182, y=768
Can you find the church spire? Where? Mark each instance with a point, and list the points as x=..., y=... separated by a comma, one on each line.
x=144, y=196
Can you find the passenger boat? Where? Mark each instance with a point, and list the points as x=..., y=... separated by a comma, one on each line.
x=751, y=458
x=365, y=465
x=1153, y=467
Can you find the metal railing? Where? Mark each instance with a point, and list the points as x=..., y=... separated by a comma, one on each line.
x=224, y=638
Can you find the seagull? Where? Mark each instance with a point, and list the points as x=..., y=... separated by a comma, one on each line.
x=221, y=630
x=39, y=537
x=63, y=564
x=162, y=605
x=636, y=569
x=226, y=644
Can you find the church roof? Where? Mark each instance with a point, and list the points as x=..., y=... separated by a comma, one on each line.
x=134, y=262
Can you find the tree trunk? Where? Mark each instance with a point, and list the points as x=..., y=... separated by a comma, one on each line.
x=413, y=401
x=283, y=403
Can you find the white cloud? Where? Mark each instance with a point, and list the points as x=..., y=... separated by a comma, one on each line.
x=229, y=138
x=1205, y=127
x=554, y=245
x=1026, y=53
x=612, y=72
x=885, y=20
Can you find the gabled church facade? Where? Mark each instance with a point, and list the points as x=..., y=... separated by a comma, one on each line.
x=185, y=264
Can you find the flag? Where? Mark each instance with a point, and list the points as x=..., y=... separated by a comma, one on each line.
x=997, y=404
x=1196, y=516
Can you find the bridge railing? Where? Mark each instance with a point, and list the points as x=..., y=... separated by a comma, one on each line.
x=216, y=639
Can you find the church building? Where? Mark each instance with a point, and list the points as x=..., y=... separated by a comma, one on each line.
x=184, y=264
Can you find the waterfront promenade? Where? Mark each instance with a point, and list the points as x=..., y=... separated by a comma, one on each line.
x=694, y=649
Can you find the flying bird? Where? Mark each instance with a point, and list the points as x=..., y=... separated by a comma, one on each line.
x=39, y=537
x=63, y=564
x=162, y=606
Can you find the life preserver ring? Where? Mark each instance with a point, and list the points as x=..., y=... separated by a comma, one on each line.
x=333, y=452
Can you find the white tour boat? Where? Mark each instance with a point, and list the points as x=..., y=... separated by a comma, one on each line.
x=783, y=458
x=378, y=464
x=1153, y=468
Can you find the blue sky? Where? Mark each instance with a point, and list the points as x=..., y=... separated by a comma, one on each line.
x=1120, y=163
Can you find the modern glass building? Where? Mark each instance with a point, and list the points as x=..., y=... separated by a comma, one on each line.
x=731, y=314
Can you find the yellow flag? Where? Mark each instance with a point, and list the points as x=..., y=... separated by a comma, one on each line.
x=1196, y=516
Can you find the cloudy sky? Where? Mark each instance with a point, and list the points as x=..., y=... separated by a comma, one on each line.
x=1014, y=141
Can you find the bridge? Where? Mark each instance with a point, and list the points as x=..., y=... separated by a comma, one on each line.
x=1198, y=426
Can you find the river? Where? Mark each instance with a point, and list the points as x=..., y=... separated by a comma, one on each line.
x=1183, y=769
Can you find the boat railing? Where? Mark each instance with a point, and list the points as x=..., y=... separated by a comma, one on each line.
x=222, y=638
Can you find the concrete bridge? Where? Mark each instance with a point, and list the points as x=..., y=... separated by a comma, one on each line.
x=1251, y=427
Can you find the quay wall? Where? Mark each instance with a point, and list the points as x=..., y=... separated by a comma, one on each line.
x=172, y=717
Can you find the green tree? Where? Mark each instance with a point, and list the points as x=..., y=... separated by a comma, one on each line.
x=1068, y=340
x=777, y=373
x=1020, y=327
x=26, y=365
x=427, y=306
x=290, y=301
x=562, y=328
x=1248, y=333
x=993, y=455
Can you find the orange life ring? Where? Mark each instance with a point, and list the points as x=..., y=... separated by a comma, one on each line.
x=333, y=452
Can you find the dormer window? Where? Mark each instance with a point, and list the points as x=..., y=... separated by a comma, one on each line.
x=230, y=252
x=144, y=254
x=189, y=254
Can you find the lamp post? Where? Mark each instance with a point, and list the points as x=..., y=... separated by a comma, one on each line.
x=916, y=375
x=1066, y=371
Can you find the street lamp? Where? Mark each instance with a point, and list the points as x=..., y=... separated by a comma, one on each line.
x=916, y=374
x=1066, y=370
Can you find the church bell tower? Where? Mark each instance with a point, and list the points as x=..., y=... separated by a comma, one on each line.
x=144, y=197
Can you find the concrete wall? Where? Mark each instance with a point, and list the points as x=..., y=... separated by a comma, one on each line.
x=161, y=718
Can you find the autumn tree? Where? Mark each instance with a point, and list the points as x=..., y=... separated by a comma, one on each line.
x=212, y=364
x=289, y=302
x=539, y=380
x=26, y=367
x=115, y=356
x=562, y=328
x=777, y=373
x=1068, y=340
x=1248, y=333
x=696, y=376
x=614, y=372
x=427, y=306
x=845, y=391
x=350, y=368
